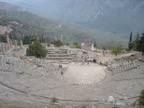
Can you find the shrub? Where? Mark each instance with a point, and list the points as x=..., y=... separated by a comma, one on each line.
x=117, y=49
x=57, y=43
x=54, y=100
x=37, y=50
x=141, y=98
x=77, y=45
x=3, y=38
x=28, y=39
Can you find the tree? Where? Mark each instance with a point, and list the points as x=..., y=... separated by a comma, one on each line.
x=57, y=43
x=37, y=50
x=117, y=49
x=141, y=98
x=54, y=100
x=77, y=45
x=28, y=39
x=142, y=43
x=10, y=36
x=131, y=37
x=131, y=44
x=3, y=38
x=137, y=43
x=95, y=45
x=41, y=38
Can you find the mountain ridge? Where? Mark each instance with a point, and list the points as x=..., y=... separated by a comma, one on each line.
x=10, y=7
x=115, y=16
x=81, y=32
x=24, y=23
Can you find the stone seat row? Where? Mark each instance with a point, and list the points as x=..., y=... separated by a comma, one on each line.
x=128, y=75
x=19, y=64
x=122, y=67
x=125, y=87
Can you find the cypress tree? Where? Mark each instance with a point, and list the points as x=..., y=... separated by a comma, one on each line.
x=137, y=42
x=142, y=43
x=131, y=37
x=130, y=47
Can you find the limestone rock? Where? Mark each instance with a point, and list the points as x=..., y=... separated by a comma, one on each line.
x=110, y=99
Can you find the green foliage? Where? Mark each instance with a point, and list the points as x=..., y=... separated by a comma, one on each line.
x=141, y=98
x=54, y=100
x=41, y=39
x=95, y=45
x=131, y=43
x=141, y=46
x=57, y=43
x=104, y=47
x=138, y=43
x=28, y=39
x=67, y=44
x=131, y=35
x=37, y=50
x=77, y=45
x=2, y=38
x=117, y=49
x=109, y=45
x=84, y=106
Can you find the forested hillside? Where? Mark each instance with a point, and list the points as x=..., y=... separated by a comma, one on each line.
x=26, y=24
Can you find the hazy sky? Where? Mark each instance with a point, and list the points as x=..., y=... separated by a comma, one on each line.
x=10, y=0
x=14, y=1
x=28, y=3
